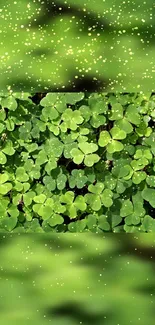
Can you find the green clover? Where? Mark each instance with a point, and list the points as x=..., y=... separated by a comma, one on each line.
x=125, y=121
x=91, y=221
x=31, y=169
x=9, y=102
x=8, y=223
x=110, y=141
x=150, y=180
x=134, y=171
x=21, y=175
x=148, y=224
x=57, y=179
x=50, y=102
x=2, y=127
x=132, y=211
x=77, y=178
x=98, y=108
x=143, y=153
x=3, y=158
x=98, y=196
x=55, y=220
x=73, y=205
x=73, y=98
x=25, y=131
x=143, y=129
x=43, y=206
x=148, y=194
x=9, y=123
x=80, y=135
x=77, y=226
x=150, y=142
x=71, y=119
x=116, y=112
x=4, y=202
x=132, y=114
x=53, y=147
x=5, y=186
x=127, y=208
x=103, y=223
x=8, y=148
x=124, y=125
x=85, y=152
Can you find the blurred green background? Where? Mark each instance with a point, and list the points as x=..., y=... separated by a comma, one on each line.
x=74, y=45
x=77, y=279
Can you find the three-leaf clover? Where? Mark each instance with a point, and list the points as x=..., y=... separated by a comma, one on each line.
x=43, y=206
x=73, y=204
x=77, y=178
x=98, y=196
x=109, y=139
x=85, y=152
x=71, y=119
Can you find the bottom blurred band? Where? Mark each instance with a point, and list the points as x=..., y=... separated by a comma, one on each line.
x=71, y=279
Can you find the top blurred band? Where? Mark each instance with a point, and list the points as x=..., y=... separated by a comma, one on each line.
x=76, y=45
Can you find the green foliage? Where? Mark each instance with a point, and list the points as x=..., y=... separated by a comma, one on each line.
x=77, y=162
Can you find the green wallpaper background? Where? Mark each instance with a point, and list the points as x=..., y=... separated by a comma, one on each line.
x=76, y=45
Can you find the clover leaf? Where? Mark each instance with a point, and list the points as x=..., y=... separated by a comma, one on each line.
x=98, y=108
x=91, y=221
x=25, y=130
x=73, y=98
x=112, y=145
x=8, y=223
x=106, y=198
x=127, y=172
x=124, y=125
x=3, y=158
x=50, y=183
x=85, y=153
x=103, y=223
x=127, y=208
x=71, y=119
x=55, y=219
x=72, y=206
x=116, y=112
x=150, y=180
x=50, y=113
x=43, y=206
x=132, y=114
x=77, y=178
x=51, y=106
x=104, y=139
x=99, y=196
x=5, y=186
x=77, y=226
x=57, y=180
x=21, y=175
x=148, y=224
x=148, y=194
x=53, y=147
x=9, y=102
x=28, y=197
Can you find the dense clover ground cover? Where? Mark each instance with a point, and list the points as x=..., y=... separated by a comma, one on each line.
x=77, y=162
